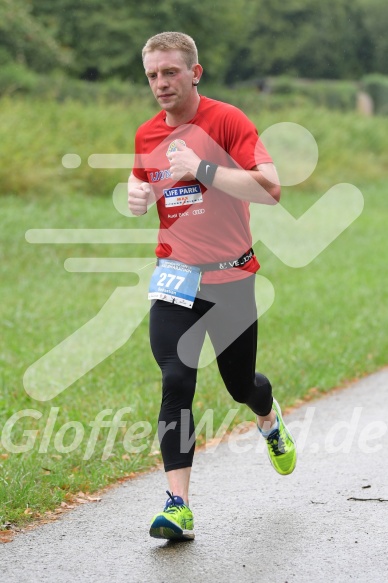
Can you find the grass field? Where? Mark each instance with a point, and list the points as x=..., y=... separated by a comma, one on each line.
x=327, y=324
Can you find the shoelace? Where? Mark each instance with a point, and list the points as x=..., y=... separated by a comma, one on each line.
x=276, y=442
x=172, y=504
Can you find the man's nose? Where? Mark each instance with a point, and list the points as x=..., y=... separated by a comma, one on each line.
x=162, y=80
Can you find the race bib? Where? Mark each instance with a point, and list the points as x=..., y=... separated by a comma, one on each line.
x=175, y=282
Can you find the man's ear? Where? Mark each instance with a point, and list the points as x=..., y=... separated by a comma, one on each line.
x=197, y=73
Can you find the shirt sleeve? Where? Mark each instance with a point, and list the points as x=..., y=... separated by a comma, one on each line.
x=138, y=169
x=242, y=141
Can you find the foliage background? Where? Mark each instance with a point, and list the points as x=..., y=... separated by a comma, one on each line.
x=238, y=39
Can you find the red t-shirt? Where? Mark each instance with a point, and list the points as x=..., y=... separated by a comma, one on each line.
x=197, y=224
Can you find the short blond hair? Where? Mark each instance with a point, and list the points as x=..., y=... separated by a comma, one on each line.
x=171, y=41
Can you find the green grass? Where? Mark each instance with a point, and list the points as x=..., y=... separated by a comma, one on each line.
x=327, y=324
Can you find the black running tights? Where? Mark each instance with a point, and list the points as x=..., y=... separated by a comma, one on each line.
x=228, y=313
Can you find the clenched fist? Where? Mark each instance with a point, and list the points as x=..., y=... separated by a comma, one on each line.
x=139, y=194
x=184, y=163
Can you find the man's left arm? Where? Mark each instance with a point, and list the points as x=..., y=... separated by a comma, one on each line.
x=259, y=185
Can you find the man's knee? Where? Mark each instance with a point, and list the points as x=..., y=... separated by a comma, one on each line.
x=257, y=395
x=178, y=382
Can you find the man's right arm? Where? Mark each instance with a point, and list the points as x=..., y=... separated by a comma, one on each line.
x=139, y=195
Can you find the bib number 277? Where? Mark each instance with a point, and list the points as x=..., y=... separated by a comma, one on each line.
x=175, y=282
x=170, y=280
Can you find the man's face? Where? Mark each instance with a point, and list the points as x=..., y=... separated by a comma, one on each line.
x=170, y=79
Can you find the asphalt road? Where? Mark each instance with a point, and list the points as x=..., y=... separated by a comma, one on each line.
x=327, y=522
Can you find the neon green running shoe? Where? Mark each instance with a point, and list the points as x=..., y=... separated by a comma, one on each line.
x=281, y=446
x=176, y=522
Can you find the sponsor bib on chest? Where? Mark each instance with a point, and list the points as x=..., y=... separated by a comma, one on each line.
x=182, y=195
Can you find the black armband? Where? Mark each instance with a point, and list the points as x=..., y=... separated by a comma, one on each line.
x=206, y=172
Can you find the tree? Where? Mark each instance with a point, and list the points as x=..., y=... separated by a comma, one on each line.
x=310, y=39
x=237, y=39
x=108, y=37
x=374, y=14
x=23, y=39
x=333, y=41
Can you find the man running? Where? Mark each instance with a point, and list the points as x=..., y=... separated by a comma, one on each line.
x=203, y=163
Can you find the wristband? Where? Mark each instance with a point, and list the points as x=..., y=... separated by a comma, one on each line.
x=206, y=172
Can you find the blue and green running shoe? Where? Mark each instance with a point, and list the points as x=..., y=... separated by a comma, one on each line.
x=176, y=522
x=281, y=446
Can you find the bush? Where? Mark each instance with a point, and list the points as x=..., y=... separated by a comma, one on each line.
x=377, y=87
x=250, y=99
x=273, y=93
x=282, y=85
x=341, y=95
x=15, y=78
